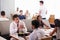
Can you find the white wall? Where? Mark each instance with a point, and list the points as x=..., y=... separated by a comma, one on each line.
x=52, y=6
x=7, y=6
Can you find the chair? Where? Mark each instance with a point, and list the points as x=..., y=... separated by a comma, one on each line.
x=47, y=38
x=4, y=27
x=51, y=19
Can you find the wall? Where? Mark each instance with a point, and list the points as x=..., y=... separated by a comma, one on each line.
x=52, y=6
x=8, y=6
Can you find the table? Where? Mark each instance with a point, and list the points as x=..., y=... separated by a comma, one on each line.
x=1, y=38
x=24, y=34
x=48, y=31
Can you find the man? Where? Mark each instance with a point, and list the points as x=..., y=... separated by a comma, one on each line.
x=37, y=33
x=17, y=11
x=43, y=10
x=3, y=16
x=21, y=16
x=14, y=28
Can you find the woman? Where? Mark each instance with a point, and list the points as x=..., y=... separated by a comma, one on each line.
x=57, y=29
x=39, y=18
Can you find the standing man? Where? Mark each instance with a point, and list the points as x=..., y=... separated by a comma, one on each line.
x=43, y=10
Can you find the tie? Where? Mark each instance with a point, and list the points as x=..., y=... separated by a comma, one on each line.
x=17, y=27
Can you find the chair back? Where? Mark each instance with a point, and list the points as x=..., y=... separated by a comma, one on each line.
x=4, y=27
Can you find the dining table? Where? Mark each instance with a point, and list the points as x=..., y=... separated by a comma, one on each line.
x=1, y=38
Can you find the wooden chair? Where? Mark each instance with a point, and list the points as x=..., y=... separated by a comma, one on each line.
x=47, y=38
x=51, y=19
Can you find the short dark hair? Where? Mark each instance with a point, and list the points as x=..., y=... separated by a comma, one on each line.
x=57, y=22
x=35, y=23
x=2, y=13
x=21, y=10
x=42, y=2
x=15, y=16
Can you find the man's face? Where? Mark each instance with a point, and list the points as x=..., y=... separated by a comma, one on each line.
x=21, y=13
x=16, y=20
x=32, y=26
x=41, y=4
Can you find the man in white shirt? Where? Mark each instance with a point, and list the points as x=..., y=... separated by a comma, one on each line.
x=3, y=17
x=37, y=33
x=43, y=10
x=14, y=28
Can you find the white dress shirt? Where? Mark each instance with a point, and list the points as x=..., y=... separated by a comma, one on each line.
x=4, y=19
x=43, y=11
x=13, y=31
x=22, y=23
x=17, y=12
x=37, y=34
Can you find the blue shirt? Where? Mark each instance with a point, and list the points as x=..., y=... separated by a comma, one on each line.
x=21, y=17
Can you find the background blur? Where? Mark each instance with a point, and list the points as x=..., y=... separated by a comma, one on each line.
x=53, y=6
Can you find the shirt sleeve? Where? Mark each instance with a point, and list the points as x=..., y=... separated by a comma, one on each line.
x=12, y=29
x=32, y=36
x=40, y=34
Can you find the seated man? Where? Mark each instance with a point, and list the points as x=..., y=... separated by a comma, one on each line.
x=21, y=16
x=14, y=28
x=3, y=17
x=37, y=33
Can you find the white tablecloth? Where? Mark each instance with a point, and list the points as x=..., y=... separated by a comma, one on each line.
x=48, y=31
x=1, y=38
